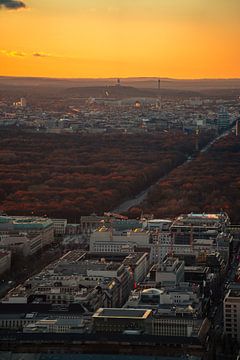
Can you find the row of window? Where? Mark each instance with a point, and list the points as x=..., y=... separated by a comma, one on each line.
x=13, y=323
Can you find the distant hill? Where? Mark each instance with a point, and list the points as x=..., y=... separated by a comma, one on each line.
x=151, y=83
x=130, y=87
x=120, y=92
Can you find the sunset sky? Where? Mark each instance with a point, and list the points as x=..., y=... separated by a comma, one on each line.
x=120, y=38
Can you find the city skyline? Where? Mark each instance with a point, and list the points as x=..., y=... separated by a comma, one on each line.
x=177, y=39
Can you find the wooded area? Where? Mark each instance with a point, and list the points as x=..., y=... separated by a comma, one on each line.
x=208, y=184
x=71, y=175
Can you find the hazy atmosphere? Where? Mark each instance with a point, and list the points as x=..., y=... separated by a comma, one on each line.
x=108, y=38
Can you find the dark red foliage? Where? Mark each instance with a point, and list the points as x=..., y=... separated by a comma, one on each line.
x=72, y=175
x=209, y=183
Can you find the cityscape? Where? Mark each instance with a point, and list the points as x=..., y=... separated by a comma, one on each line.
x=119, y=180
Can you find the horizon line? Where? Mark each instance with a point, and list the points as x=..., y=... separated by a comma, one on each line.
x=120, y=77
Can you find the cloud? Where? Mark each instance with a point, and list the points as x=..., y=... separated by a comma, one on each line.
x=12, y=4
x=13, y=53
x=38, y=54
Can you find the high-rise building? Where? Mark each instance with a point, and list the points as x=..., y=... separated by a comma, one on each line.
x=223, y=119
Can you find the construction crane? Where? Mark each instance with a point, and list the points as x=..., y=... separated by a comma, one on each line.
x=191, y=238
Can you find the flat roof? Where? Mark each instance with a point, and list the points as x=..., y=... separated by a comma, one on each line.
x=159, y=221
x=234, y=293
x=19, y=222
x=122, y=313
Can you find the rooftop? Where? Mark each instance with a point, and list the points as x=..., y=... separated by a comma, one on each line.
x=122, y=313
x=19, y=222
x=234, y=293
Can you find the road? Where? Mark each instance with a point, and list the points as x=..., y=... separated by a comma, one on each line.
x=138, y=199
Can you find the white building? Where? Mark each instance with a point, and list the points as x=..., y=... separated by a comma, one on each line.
x=31, y=225
x=181, y=296
x=185, y=325
x=105, y=240
x=67, y=325
x=171, y=271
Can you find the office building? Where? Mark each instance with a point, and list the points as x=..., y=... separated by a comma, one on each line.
x=120, y=320
x=170, y=272
x=59, y=226
x=231, y=313
x=29, y=225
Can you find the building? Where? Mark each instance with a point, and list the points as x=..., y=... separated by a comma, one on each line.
x=120, y=320
x=75, y=279
x=208, y=221
x=185, y=326
x=157, y=224
x=91, y=223
x=182, y=296
x=29, y=225
x=57, y=325
x=170, y=272
x=108, y=240
x=59, y=226
x=105, y=235
x=73, y=229
x=138, y=263
x=18, y=317
x=20, y=104
x=5, y=261
x=196, y=234
x=223, y=120
x=22, y=244
x=172, y=325
x=231, y=314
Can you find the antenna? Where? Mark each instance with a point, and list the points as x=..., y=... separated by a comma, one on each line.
x=197, y=140
x=159, y=102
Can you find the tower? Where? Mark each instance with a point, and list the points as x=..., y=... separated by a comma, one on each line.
x=118, y=82
x=197, y=140
x=23, y=102
x=159, y=101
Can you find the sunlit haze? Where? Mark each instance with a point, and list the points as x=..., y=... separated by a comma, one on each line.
x=108, y=38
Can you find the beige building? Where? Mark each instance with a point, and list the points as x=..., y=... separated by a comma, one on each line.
x=105, y=240
x=20, y=243
x=231, y=313
x=59, y=226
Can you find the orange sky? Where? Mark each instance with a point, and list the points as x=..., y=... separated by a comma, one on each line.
x=113, y=38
